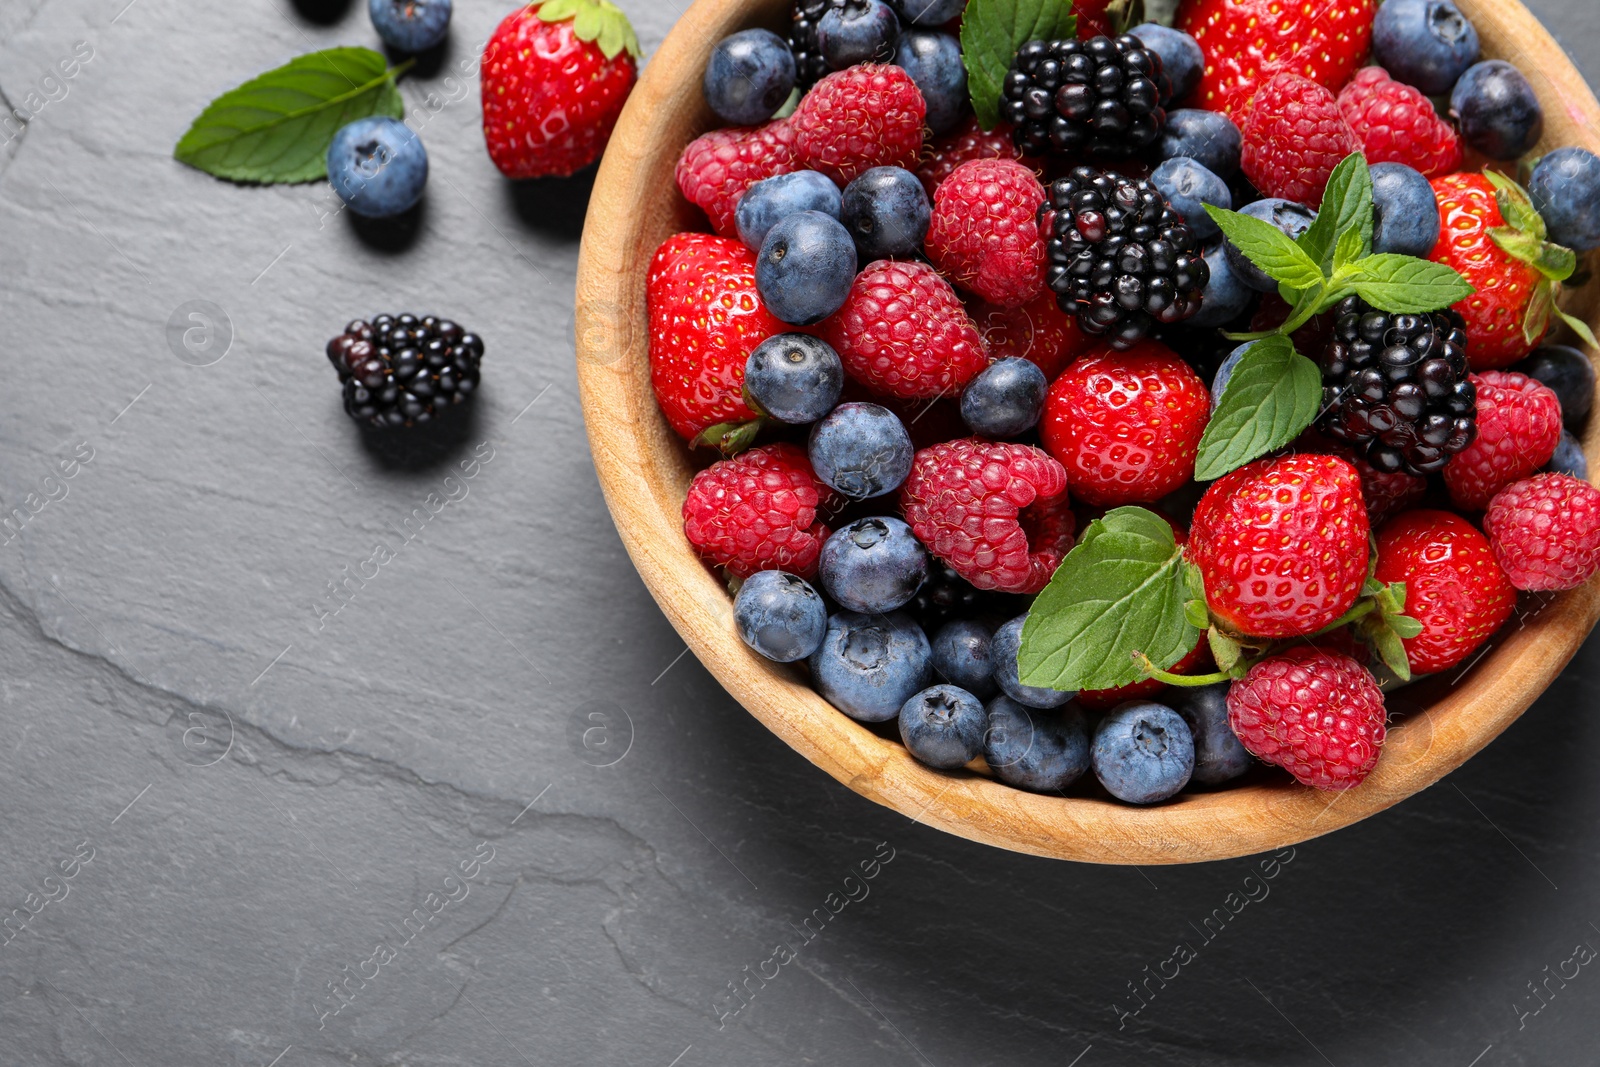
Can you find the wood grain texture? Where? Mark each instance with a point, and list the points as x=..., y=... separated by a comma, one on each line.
x=645, y=471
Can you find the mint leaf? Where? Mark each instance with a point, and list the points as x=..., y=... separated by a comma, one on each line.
x=1351, y=247
x=1121, y=590
x=1346, y=205
x=1269, y=248
x=277, y=127
x=1274, y=394
x=1402, y=285
x=991, y=33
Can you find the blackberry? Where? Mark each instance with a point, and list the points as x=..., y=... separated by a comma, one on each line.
x=946, y=597
x=400, y=370
x=1396, y=387
x=1120, y=258
x=809, y=66
x=1100, y=97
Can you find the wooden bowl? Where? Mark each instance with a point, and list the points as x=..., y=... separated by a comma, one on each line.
x=645, y=472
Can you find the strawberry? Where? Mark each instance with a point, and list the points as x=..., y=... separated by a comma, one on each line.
x=705, y=319
x=1282, y=545
x=555, y=76
x=1246, y=42
x=1454, y=587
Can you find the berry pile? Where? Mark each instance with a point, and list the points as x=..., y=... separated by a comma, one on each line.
x=992, y=468
x=401, y=370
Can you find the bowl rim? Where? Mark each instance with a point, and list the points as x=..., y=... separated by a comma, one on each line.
x=644, y=472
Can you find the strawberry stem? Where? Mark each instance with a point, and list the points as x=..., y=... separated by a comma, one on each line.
x=1186, y=680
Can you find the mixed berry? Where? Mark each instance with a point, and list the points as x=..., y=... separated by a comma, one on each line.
x=1145, y=401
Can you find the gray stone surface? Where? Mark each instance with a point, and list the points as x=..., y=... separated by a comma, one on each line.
x=251, y=800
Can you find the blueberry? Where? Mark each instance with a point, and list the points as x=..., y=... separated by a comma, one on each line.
x=934, y=62
x=874, y=565
x=943, y=727
x=410, y=25
x=1007, y=643
x=961, y=656
x=1226, y=296
x=1565, y=189
x=748, y=77
x=1293, y=219
x=929, y=12
x=770, y=201
x=1143, y=752
x=1405, y=213
x=858, y=31
x=870, y=665
x=1569, y=373
x=794, y=377
x=1218, y=755
x=1569, y=458
x=1033, y=749
x=780, y=616
x=1208, y=137
x=862, y=450
x=1425, y=43
x=1219, y=382
x=886, y=210
x=1005, y=399
x=1188, y=187
x=1182, y=61
x=1497, y=110
x=806, y=267
x=378, y=167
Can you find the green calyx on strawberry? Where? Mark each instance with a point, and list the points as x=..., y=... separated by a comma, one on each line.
x=1526, y=238
x=730, y=438
x=598, y=21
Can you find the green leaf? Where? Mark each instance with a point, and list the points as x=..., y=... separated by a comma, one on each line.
x=1274, y=394
x=1198, y=614
x=277, y=127
x=1269, y=248
x=1515, y=206
x=1224, y=649
x=991, y=33
x=1346, y=205
x=1536, y=320
x=1121, y=590
x=1351, y=247
x=1553, y=261
x=600, y=21
x=1579, y=327
x=729, y=438
x=1403, y=285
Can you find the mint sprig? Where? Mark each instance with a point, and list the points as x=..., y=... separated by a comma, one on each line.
x=991, y=33
x=1273, y=395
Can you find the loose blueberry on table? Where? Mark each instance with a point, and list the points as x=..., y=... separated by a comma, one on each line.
x=1032, y=344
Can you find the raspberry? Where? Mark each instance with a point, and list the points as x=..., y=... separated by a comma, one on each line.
x=1038, y=331
x=1100, y=97
x=1294, y=136
x=1519, y=426
x=758, y=512
x=1317, y=714
x=996, y=513
x=1454, y=587
x=719, y=167
x=1397, y=124
x=865, y=116
x=400, y=370
x=985, y=231
x=903, y=332
x=965, y=144
x=1545, y=531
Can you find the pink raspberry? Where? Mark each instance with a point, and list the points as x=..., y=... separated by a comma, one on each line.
x=968, y=142
x=1397, y=124
x=719, y=167
x=1519, y=426
x=1545, y=531
x=1294, y=136
x=996, y=513
x=865, y=116
x=1038, y=331
x=985, y=231
x=903, y=332
x=1317, y=714
x=758, y=512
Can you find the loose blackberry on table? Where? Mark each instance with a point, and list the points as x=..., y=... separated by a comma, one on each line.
x=1101, y=97
x=402, y=370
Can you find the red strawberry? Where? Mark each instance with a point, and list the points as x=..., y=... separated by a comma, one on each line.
x=705, y=319
x=1519, y=426
x=555, y=76
x=1397, y=124
x=1282, y=545
x=1126, y=425
x=968, y=142
x=1038, y=331
x=984, y=234
x=903, y=332
x=1294, y=135
x=758, y=512
x=1246, y=42
x=721, y=166
x=858, y=118
x=1317, y=714
x=1387, y=493
x=1454, y=587
x=1546, y=531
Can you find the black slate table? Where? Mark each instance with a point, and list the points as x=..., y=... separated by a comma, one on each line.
x=285, y=806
